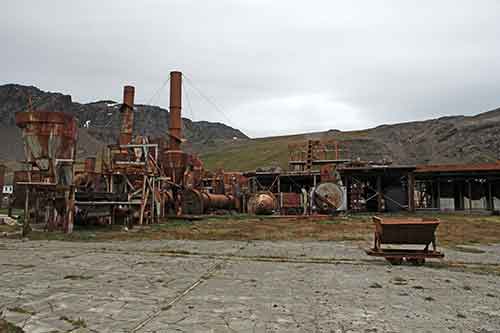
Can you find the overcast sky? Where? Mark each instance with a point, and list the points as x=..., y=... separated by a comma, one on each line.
x=271, y=67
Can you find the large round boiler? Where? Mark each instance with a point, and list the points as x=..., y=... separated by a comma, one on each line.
x=328, y=197
x=262, y=203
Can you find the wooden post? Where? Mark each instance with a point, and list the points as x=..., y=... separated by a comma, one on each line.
x=411, y=192
x=9, y=209
x=492, y=197
x=348, y=192
x=143, y=200
x=26, y=222
x=70, y=210
x=470, y=195
x=438, y=201
x=433, y=197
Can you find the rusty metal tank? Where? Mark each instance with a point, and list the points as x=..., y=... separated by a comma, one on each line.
x=328, y=197
x=195, y=202
x=262, y=203
x=50, y=143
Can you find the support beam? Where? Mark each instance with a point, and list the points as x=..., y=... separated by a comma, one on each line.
x=470, y=194
x=26, y=222
x=379, y=193
x=438, y=199
x=411, y=192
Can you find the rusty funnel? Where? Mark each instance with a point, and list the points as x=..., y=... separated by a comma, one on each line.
x=50, y=143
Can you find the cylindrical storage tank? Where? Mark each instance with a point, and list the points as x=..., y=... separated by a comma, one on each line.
x=50, y=136
x=219, y=201
x=195, y=202
x=262, y=203
x=328, y=197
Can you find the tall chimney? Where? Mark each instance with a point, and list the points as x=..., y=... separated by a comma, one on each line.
x=175, y=121
x=127, y=111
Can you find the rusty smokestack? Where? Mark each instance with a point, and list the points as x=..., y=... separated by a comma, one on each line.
x=175, y=120
x=127, y=112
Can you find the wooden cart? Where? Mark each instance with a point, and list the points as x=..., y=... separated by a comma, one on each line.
x=414, y=231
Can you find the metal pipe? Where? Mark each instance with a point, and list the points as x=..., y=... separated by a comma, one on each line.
x=175, y=120
x=127, y=111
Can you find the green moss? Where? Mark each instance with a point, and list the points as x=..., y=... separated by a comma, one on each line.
x=6, y=327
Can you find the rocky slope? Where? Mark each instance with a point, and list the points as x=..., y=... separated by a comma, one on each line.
x=456, y=139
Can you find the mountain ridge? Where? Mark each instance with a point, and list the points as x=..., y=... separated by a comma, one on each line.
x=447, y=139
x=100, y=120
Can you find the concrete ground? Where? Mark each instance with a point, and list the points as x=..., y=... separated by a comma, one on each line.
x=230, y=286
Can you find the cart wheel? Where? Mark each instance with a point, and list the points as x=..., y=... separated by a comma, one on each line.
x=420, y=261
x=416, y=261
x=395, y=261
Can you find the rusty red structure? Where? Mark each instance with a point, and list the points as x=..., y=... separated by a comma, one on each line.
x=50, y=146
x=147, y=178
x=131, y=174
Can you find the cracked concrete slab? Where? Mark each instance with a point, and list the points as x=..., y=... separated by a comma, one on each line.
x=231, y=286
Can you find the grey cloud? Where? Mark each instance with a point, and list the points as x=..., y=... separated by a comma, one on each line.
x=273, y=67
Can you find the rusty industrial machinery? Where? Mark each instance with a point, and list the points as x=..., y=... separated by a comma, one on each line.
x=414, y=231
x=196, y=202
x=133, y=175
x=140, y=179
x=49, y=144
x=329, y=197
x=262, y=203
